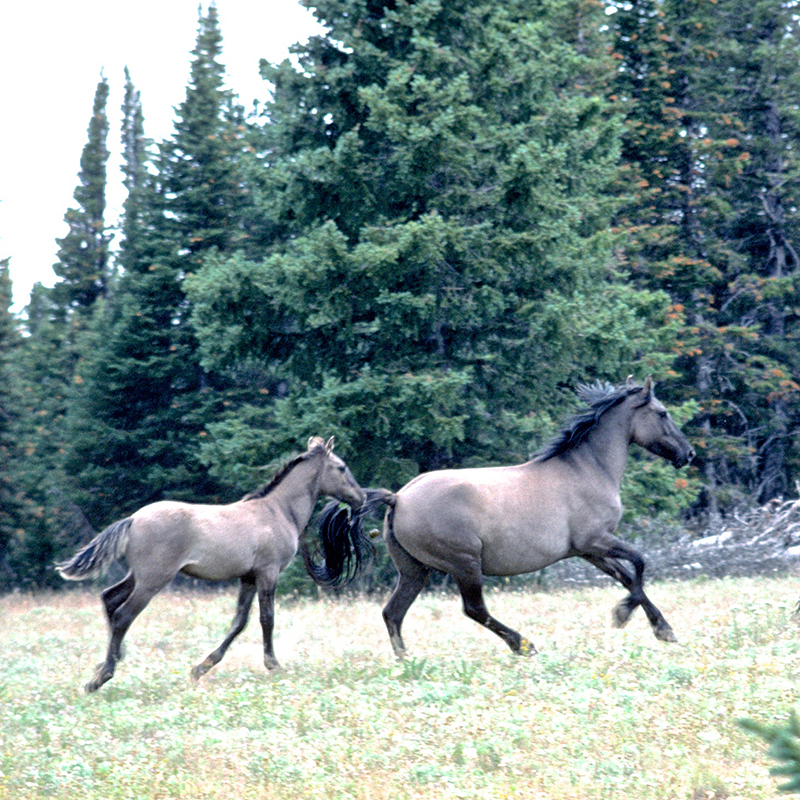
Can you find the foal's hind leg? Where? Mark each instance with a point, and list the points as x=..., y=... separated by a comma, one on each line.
x=121, y=615
x=247, y=591
x=116, y=595
x=113, y=598
x=607, y=558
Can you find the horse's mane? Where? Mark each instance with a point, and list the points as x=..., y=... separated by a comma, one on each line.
x=264, y=490
x=601, y=397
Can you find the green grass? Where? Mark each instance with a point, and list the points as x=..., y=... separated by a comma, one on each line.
x=598, y=713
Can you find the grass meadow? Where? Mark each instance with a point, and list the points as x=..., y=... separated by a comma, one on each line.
x=598, y=713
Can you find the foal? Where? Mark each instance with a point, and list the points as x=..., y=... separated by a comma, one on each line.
x=253, y=539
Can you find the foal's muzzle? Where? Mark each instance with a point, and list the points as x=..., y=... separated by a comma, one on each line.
x=357, y=500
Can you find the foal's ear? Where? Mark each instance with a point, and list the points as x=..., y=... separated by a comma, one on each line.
x=648, y=385
x=329, y=445
x=316, y=441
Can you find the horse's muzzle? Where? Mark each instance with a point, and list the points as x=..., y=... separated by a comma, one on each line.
x=682, y=459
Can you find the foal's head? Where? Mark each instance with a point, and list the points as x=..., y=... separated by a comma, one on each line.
x=335, y=478
x=654, y=429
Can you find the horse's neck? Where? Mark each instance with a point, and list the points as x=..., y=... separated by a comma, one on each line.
x=297, y=493
x=609, y=443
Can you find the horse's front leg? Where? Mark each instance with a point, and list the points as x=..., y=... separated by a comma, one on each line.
x=266, y=582
x=606, y=558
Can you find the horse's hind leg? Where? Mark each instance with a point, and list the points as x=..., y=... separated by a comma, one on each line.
x=247, y=591
x=607, y=560
x=475, y=608
x=411, y=578
x=114, y=597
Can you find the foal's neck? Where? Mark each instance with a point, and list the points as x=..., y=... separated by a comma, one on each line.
x=297, y=493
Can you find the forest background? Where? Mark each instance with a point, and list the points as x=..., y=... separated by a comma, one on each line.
x=447, y=217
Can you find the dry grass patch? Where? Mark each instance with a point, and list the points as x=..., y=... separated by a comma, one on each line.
x=598, y=713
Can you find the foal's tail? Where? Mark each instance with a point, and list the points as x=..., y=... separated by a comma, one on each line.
x=95, y=558
x=344, y=546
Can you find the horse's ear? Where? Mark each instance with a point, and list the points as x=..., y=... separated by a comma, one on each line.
x=648, y=385
x=329, y=445
x=315, y=441
x=630, y=382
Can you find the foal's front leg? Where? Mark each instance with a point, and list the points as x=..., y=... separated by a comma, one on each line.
x=266, y=583
x=247, y=591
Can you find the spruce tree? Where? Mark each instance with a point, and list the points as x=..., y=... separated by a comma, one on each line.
x=10, y=496
x=437, y=182
x=45, y=366
x=709, y=98
x=139, y=414
x=757, y=119
x=83, y=257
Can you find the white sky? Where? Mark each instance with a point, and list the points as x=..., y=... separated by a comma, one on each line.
x=51, y=56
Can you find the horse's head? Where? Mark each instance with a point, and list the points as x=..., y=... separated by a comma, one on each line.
x=654, y=429
x=335, y=479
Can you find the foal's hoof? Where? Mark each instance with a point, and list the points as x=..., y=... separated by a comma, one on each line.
x=99, y=679
x=665, y=634
x=526, y=647
x=204, y=666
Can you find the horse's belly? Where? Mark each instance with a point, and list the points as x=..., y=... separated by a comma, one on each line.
x=514, y=557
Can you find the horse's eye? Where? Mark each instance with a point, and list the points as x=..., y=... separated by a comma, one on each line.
x=663, y=414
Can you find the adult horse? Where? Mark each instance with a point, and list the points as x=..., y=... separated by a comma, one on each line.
x=516, y=519
x=253, y=539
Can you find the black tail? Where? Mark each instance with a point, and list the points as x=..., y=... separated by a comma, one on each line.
x=344, y=547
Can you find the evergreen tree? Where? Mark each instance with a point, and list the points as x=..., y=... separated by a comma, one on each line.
x=139, y=414
x=10, y=497
x=45, y=364
x=136, y=178
x=39, y=378
x=83, y=259
x=437, y=183
x=700, y=92
x=757, y=118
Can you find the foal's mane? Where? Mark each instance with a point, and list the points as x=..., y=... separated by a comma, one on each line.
x=601, y=397
x=264, y=490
